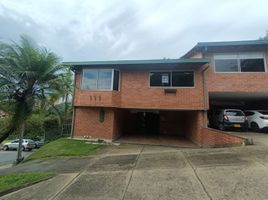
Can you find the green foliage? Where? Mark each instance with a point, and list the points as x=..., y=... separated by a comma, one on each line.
x=265, y=37
x=35, y=126
x=12, y=181
x=29, y=76
x=51, y=122
x=63, y=147
x=3, y=123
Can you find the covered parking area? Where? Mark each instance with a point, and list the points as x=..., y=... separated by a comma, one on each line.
x=237, y=100
x=157, y=127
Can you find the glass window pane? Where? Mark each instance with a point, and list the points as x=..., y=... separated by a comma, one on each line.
x=160, y=79
x=105, y=79
x=182, y=79
x=116, y=80
x=226, y=65
x=234, y=113
x=252, y=65
x=89, y=81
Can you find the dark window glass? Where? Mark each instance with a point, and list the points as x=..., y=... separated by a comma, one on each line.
x=182, y=79
x=226, y=65
x=252, y=65
x=160, y=79
x=116, y=80
x=234, y=113
x=101, y=116
x=264, y=112
x=247, y=113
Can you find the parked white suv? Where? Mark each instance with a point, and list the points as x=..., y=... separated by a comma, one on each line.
x=257, y=119
x=26, y=144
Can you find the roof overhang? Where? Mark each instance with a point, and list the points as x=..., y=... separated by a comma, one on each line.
x=229, y=46
x=190, y=63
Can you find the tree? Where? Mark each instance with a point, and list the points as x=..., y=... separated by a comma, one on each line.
x=265, y=37
x=28, y=74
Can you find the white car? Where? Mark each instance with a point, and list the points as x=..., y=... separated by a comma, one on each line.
x=257, y=119
x=27, y=144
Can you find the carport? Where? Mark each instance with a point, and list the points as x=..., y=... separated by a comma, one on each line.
x=156, y=127
x=238, y=100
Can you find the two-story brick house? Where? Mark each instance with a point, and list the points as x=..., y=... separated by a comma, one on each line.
x=169, y=96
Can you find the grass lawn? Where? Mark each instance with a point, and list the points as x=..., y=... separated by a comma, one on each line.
x=63, y=147
x=11, y=181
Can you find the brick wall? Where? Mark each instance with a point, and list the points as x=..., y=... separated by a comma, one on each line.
x=216, y=138
x=136, y=93
x=87, y=123
x=207, y=137
x=236, y=82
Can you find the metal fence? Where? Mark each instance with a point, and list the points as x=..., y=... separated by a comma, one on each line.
x=54, y=133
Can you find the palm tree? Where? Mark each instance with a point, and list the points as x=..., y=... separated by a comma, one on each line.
x=28, y=74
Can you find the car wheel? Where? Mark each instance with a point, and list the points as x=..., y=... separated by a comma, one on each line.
x=221, y=127
x=5, y=148
x=30, y=149
x=23, y=148
x=255, y=127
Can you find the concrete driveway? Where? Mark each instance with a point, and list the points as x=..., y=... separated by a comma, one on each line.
x=152, y=172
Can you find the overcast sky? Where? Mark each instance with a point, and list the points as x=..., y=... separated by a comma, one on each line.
x=143, y=29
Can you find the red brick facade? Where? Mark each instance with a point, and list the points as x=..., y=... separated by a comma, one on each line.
x=183, y=112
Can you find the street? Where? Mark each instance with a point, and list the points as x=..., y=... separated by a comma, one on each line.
x=8, y=157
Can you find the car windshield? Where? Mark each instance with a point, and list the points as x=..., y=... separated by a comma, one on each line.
x=263, y=112
x=234, y=113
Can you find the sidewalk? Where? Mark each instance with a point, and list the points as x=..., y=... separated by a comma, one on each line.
x=130, y=172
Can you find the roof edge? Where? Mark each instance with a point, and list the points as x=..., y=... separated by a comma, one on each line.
x=198, y=47
x=136, y=62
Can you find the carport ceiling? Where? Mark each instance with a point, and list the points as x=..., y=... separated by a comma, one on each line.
x=238, y=96
x=239, y=100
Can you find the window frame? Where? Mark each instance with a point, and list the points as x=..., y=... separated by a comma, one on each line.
x=238, y=56
x=168, y=87
x=102, y=69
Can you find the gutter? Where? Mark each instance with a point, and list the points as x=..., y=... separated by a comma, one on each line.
x=73, y=117
x=204, y=93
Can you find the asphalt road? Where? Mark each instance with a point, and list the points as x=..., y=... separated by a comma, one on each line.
x=8, y=157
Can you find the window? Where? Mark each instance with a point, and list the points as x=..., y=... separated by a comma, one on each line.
x=252, y=65
x=240, y=62
x=227, y=65
x=172, y=79
x=182, y=79
x=100, y=79
x=116, y=80
x=160, y=79
x=101, y=116
x=234, y=113
x=249, y=113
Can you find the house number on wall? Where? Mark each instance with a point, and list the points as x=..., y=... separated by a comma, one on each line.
x=95, y=98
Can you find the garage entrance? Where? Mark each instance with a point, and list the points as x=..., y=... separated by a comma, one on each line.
x=239, y=100
x=155, y=127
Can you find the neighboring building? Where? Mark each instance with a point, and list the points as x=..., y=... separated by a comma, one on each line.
x=170, y=96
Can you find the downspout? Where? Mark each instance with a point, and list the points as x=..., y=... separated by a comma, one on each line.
x=204, y=95
x=73, y=117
